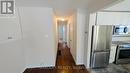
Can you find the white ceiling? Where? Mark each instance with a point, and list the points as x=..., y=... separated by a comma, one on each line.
x=122, y=6
x=66, y=7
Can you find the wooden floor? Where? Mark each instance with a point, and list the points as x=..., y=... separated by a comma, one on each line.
x=64, y=64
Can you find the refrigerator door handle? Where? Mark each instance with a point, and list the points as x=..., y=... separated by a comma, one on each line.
x=107, y=50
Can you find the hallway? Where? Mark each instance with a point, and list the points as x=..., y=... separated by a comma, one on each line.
x=64, y=64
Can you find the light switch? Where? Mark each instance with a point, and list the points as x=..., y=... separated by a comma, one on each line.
x=10, y=37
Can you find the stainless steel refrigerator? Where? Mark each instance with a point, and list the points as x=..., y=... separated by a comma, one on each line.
x=100, y=46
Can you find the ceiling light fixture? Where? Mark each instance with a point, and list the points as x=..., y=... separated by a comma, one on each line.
x=62, y=19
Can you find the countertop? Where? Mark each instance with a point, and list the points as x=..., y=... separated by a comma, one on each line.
x=128, y=35
x=120, y=42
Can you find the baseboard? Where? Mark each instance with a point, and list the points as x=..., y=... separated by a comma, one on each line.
x=23, y=70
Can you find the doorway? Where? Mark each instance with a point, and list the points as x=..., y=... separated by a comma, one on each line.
x=62, y=32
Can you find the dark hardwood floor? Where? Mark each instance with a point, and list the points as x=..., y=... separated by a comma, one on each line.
x=64, y=64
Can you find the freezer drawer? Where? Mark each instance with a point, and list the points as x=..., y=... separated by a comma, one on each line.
x=100, y=59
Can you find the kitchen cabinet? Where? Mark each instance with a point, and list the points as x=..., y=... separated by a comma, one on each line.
x=112, y=53
x=112, y=18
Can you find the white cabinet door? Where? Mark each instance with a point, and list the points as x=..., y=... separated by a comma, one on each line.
x=112, y=53
x=113, y=18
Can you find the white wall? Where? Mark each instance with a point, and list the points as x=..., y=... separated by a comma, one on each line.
x=81, y=22
x=33, y=40
x=87, y=41
x=79, y=39
x=90, y=20
x=72, y=35
x=38, y=34
x=12, y=59
x=84, y=31
x=55, y=33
